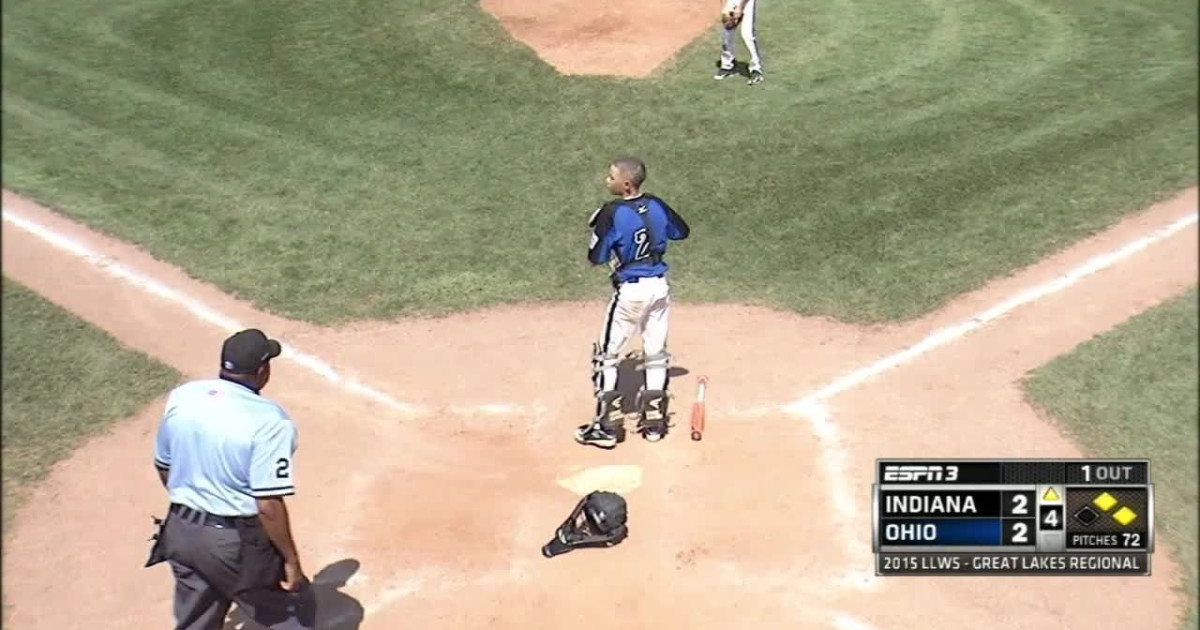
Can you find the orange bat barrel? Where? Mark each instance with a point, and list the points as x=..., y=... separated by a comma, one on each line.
x=698, y=409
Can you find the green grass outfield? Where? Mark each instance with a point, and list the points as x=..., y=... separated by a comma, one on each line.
x=1132, y=393
x=64, y=382
x=339, y=160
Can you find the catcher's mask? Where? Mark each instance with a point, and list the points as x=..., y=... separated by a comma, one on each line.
x=598, y=520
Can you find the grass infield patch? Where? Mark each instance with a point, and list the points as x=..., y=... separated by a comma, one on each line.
x=338, y=161
x=1132, y=392
x=65, y=381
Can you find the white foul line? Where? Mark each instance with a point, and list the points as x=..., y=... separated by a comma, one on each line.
x=946, y=335
x=197, y=308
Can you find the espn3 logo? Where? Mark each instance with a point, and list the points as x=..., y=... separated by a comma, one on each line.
x=919, y=472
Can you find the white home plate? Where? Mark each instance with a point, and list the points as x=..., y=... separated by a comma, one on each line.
x=611, y=478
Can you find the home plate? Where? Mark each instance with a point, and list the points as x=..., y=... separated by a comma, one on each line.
x=611, y=478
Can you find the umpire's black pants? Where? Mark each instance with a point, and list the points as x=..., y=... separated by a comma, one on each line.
x=208, y=561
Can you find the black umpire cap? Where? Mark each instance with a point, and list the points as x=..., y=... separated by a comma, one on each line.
x=248, y=350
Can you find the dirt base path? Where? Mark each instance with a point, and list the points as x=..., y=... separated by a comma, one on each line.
x=431, y=450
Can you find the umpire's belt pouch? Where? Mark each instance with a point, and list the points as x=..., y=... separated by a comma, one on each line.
x=262, y=565
x=158, y=551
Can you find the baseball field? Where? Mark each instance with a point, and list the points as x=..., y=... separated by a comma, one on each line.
x=940, y=228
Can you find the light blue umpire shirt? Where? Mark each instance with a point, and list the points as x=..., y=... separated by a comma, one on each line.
x=224, y=445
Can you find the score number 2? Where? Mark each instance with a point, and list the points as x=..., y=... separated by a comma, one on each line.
x=1017, y=531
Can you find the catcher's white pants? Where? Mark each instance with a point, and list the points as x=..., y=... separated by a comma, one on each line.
x=749, y=36
x=638, y=305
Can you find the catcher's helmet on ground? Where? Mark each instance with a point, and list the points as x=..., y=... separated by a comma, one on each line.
x=598, y=520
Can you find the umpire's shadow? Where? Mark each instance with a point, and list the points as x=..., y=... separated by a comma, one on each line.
x=335, y=610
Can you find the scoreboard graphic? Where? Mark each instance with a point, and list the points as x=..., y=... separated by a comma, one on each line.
x=1012, y=517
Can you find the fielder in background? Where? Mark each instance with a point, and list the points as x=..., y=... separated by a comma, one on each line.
x=224, y=453
x=630, y=234
x=739, y=13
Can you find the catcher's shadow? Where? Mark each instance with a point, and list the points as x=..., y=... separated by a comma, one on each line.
x=630, y=380
x=335, y=610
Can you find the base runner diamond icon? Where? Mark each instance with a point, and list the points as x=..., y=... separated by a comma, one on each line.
x=1105, y=501
x=1086, y=515
x=1124, y=516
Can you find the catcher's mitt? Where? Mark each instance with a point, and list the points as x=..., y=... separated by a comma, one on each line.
x=730, y=20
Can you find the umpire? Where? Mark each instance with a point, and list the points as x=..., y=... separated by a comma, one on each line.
x=224, y=454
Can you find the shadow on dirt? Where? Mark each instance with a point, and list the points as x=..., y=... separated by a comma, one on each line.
x=630, y=380
x=335, y=610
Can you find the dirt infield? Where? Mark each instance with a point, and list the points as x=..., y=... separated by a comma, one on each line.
x=618, y=37
x=446, y=503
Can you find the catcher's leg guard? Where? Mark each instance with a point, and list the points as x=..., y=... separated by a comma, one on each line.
x=658, y=369
x=653, y=414
x=604, y=371
x=608, y=428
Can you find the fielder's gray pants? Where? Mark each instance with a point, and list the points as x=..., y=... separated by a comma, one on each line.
x=207, y=563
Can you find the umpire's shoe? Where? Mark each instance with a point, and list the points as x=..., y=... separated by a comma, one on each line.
x=606, y=431
x=652, y=405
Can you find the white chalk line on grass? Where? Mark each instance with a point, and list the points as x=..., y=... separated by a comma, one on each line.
x=204, y=313
x=953, y=333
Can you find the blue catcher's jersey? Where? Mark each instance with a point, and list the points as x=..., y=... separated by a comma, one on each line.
x=632, y=235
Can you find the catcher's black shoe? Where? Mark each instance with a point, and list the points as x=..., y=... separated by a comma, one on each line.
x=653, y=423
x=596, y=434
x=607, y=429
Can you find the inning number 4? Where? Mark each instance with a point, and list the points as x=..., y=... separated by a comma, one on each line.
x=281, y=468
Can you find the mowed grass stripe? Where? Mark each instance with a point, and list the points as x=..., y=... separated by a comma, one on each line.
x=384, y=159
x=1132, y=393
x=992, y=78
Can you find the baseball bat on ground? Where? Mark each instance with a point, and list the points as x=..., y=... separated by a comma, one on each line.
x=698, y=410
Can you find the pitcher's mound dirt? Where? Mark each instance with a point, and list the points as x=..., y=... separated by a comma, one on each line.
x=612, y=37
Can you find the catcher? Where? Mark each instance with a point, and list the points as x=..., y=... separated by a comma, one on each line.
x=739, y=13
x=630, y=233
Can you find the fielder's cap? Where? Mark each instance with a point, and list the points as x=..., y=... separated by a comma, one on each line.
x=248, y=350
